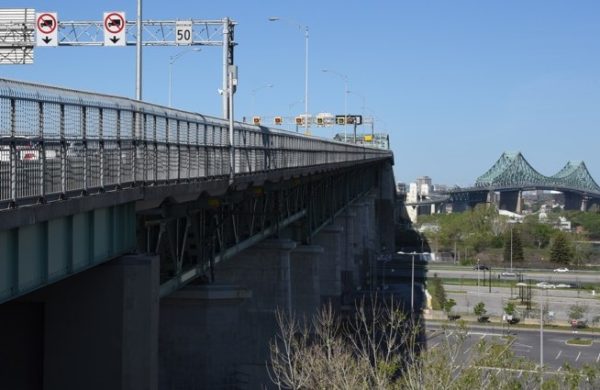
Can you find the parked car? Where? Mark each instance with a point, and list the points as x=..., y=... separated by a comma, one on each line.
x=545, y=285
x=564, y=269
x=508, y=274
x=481, y=267
x=563, y=285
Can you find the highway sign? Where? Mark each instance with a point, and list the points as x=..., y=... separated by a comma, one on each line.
x=46, y=29
x=183, y=32
x=114, y=29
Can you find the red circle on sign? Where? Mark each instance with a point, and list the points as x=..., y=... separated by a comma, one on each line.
x=42, y=23
x=111, y=26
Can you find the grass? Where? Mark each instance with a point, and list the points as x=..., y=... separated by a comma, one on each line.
x=580, y=341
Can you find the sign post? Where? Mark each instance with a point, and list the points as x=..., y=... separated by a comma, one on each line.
x=46, y=28
x=114, y=29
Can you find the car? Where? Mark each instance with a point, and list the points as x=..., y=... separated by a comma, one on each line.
x=564, y=269
x=508, y=274
x=481, y=267
x=545, y=285
x=578, y=323
x=563, y=285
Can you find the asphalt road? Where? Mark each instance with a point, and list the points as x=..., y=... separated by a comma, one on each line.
x=572, y=277
x=527, y=344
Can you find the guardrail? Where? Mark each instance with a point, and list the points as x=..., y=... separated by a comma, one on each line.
x=56, y=142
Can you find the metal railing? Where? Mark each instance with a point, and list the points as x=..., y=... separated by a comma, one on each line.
x=57, y=143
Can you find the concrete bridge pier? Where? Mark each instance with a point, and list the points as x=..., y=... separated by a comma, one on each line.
x=95, y=330
x=305, y=283
x=216, y=341
x=330, y=285
x=574, y=201
x=511, y=201
x=348, y=268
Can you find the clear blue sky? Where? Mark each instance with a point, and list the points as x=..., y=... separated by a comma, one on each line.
x=455, y=83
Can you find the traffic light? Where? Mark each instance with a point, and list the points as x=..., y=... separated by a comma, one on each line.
x=256, y=120
x=320, y=121
x=278, y=120
x=299, y=120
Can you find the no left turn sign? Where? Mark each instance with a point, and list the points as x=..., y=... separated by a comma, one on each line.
x=114, y=29
x=46, y=29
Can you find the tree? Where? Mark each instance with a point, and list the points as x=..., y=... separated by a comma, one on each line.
x=479, y=309
x=450, y=303
x=562, y=250
x=438, y=293
x=510, y=308
x=512, y=239
x=577, y=311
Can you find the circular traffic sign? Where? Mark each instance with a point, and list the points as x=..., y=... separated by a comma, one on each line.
x=114, y=23
x=46, y=23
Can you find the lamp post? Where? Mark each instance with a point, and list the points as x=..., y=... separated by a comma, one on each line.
x=172, y=59
x=511, y=247
x=305, y=28
x=253, y=94
x=345, y=79
x=412, y=277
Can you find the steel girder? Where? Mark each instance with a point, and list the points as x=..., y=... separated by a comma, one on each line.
x=512, y=170
x=192, y=237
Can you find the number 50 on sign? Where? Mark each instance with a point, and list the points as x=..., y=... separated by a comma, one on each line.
x=183, y=32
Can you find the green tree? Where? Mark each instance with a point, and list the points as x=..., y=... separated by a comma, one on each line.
x=438, y=293
x=577, y=311
x=512, y=243
x=562, y=250
x=510, y=308
x=450, y=303
x=479, y=309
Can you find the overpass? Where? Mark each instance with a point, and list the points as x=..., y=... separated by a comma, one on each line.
x=512, y=174
x=128, y=228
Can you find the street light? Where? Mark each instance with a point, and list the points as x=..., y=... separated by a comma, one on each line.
x=346, y=91
x=172, y=59
x=253, y=94
x=412, y=277
x=305, y=28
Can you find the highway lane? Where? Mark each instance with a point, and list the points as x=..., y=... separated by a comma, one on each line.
x=548, y=276
x=527, y=344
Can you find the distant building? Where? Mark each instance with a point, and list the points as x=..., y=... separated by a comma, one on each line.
x=401, y=188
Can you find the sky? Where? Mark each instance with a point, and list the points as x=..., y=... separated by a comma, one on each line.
x=454, y=83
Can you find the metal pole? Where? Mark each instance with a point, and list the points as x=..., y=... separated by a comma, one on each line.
x=138, y=65
x=306, y=80
x=345, y=107
x=511, y=247
x=412, y=285
x=225, y=68
x=170, y=81
x=541, y=342
x=229, y=94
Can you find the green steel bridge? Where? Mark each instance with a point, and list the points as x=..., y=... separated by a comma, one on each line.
x=512, y=174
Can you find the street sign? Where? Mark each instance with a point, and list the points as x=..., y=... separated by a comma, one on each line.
x=183, y=32
x=114, y=29
x=46, y=29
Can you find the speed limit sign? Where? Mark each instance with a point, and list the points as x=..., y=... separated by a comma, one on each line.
x=183, y=32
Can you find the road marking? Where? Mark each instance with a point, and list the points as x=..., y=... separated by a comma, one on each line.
x=522, y=345
x=577, y=358
x=598, y=358
x=467, y=350
x=435, y=345
x=484, y=334
x=559, y=368
x=558, y=354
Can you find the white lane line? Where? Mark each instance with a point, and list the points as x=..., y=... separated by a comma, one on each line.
x=577, y=358
x=484, y=334
x=467, y=350
x=558, y=354
x=520, y=373
x=559, y=368
x=598, y=358
x=435, y=345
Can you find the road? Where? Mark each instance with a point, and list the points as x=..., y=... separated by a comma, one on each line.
x=527, y=344
x=548, y=276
